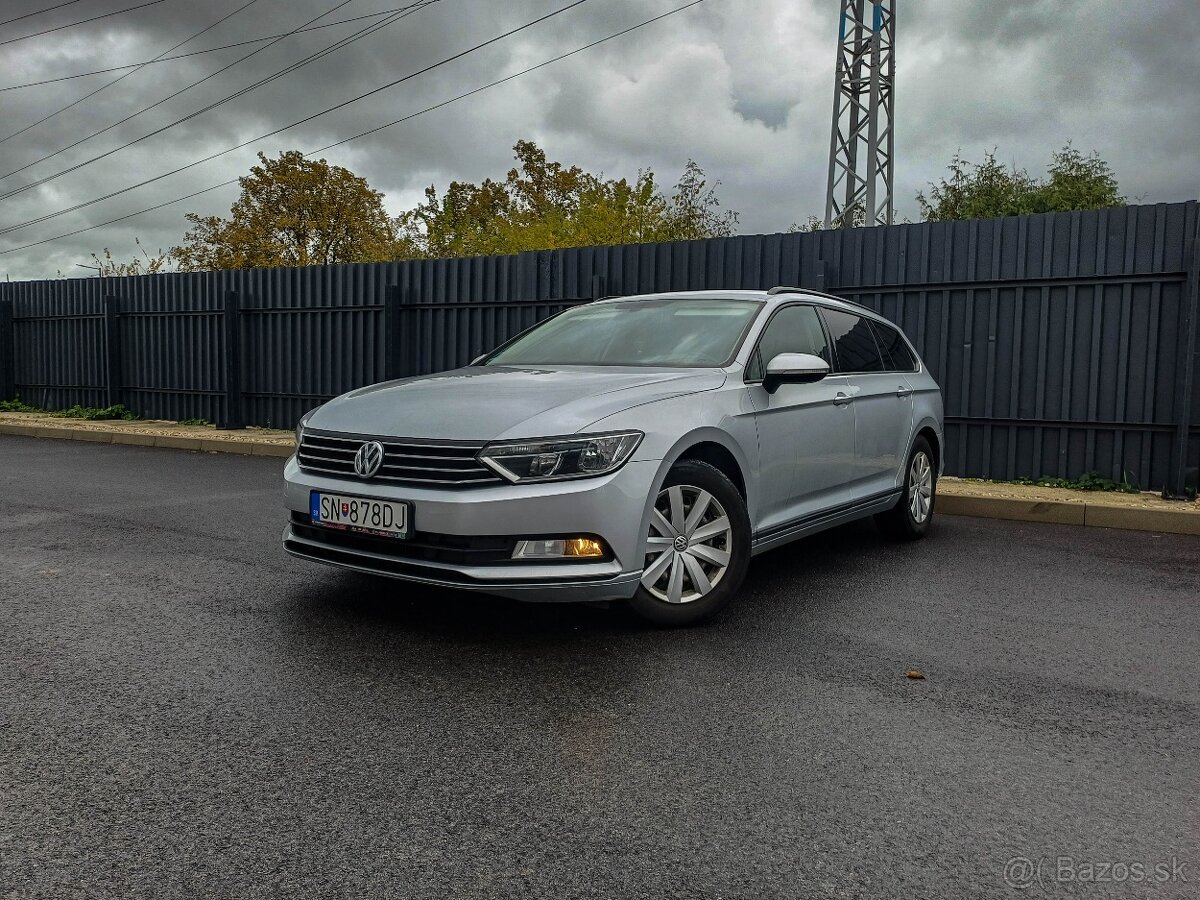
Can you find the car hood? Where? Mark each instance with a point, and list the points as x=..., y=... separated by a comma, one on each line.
x=484, y=403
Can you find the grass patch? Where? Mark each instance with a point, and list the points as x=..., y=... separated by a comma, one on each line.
x=96, y=413
x=1088, y=481
x=89, y=413
x=193, y=422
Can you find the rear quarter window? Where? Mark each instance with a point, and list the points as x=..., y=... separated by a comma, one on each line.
x=894, y=349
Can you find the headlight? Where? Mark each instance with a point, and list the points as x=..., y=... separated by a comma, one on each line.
x=557, y=460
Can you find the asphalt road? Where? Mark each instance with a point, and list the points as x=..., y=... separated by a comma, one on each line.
x=187, y=712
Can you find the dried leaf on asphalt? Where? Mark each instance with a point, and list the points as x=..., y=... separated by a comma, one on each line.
x=914, y=674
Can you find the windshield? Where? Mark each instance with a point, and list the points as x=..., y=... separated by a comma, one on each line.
x=674, y=332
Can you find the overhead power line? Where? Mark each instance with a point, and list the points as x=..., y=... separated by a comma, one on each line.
x=163, y=59
x=109, y=84
x=187, y=87
x=287, y=70
x=38, y=12
x=344, y=103
x=507, y=78
x=115, y=12
x=428, y=109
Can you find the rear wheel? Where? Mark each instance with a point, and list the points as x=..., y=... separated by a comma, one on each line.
x=697, y=547
x=909, y=519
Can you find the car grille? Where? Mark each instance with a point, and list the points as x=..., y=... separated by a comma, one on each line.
x=404, y=461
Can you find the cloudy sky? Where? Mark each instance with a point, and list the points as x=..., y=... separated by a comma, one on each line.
x=744, y=87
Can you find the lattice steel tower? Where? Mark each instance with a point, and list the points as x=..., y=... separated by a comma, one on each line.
x=862, y=139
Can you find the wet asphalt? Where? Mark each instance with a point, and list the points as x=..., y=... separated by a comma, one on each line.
x=187, y=712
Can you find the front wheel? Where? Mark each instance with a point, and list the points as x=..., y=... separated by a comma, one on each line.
x=697, y=547
x=909, y=519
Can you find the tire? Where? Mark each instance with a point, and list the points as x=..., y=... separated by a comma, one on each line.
x=712, y=549
x=909, y=519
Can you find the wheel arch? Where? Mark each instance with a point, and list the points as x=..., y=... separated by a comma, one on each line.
x=714, y=447
x=928, y=431
x=720, y=458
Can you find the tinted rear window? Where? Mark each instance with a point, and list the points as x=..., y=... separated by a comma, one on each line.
x=896, y=354
x=853, y=342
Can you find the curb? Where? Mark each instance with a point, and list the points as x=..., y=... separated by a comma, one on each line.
x=1058, y=512
x=138, y=439
x=1050, y=512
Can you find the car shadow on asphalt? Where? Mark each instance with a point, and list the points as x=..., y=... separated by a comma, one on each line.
x=799, y=574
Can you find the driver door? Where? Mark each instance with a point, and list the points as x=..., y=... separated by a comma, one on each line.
x=805, y=431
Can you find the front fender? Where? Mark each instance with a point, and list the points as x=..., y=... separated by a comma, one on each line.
x=724, y=417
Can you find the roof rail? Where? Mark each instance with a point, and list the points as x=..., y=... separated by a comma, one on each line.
x=786, y=289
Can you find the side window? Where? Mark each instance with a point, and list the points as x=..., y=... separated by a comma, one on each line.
x=894, y=348
x=794, y=329
x=853, y=342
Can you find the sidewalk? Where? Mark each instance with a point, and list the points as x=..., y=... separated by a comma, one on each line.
x=956, y=496
x=151, y=433
x=1104, y=509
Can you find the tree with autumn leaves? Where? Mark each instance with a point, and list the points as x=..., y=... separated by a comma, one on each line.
x=294, y=211
x=544, y=205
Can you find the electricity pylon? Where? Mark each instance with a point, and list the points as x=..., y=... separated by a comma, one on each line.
x=862, y=141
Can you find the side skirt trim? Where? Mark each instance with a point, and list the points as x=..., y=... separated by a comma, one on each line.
x=838, y=515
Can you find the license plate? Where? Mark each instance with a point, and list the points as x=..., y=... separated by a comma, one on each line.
x=387, y=518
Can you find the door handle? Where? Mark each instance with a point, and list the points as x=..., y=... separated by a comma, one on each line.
x=903, y=391
x=841, y=399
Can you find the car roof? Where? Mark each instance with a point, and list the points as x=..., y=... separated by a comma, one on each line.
x=774, y=297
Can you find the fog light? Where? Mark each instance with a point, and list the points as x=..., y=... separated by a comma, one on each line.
x=583, y=546
x=561, y=548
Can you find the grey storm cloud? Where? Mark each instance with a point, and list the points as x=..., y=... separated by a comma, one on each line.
x=744, y=87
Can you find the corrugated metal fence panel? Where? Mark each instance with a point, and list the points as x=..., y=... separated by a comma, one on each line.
x=308, y=334
x=1059, y=340
x=172, y=345
x=456, y=309
x=1055, y=341
x=1192, y=257
x=58, y=342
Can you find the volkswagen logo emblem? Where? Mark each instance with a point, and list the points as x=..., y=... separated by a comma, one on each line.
x=681, y=543
x=368, y=459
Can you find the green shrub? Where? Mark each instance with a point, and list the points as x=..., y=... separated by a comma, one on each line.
x=93, y=413
x=1088, y=481
x=90, y=413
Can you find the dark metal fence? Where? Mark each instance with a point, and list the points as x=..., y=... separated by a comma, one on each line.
x=1064, y=343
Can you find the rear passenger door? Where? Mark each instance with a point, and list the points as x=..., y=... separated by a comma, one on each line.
x=883, y=405
x=805, y=431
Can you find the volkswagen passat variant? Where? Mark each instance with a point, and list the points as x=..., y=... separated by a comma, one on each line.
x=638, y=449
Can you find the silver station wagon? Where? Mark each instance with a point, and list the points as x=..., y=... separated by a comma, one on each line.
x=639, y=449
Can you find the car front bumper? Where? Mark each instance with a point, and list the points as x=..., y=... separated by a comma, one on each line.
x=611, y=507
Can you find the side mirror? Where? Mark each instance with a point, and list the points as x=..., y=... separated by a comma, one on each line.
x=794, y=368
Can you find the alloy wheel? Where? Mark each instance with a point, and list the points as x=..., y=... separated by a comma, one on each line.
x=689, y=545
x=920, y=488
